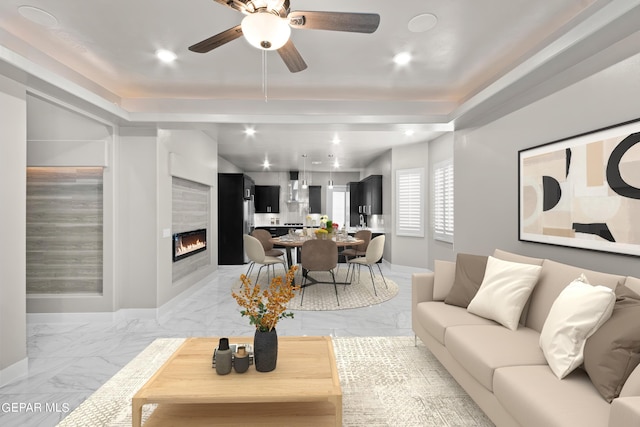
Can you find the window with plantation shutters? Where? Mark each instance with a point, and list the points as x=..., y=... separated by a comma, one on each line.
x=443, y=201
x=410, y=202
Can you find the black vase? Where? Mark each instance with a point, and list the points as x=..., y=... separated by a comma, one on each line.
x=265, y=350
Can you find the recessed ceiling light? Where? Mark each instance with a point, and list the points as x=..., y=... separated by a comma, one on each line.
x=266, y=164
x=336, y=140
x=403, y=58
x=422, y=23
x=249, y=131
x=409, y=132
x=39, y=16
x=166, y=55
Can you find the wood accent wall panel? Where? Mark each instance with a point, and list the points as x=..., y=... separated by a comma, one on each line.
x=191, y=211
x=64, y=230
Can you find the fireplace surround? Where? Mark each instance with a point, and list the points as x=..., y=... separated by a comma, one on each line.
x=189, y=243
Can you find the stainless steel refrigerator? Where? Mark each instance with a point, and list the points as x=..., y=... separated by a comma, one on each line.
x=235, y=216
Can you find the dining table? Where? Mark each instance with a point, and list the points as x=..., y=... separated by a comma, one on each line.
x=290, y=242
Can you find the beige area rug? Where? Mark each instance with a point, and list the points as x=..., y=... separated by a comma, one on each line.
x=385, y=382
x=322, y=296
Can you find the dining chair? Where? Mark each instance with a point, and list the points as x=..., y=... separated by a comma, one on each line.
x=256, y=255
x=265, y=238
x=319, y=255
x=372, y=256
x=359, y=250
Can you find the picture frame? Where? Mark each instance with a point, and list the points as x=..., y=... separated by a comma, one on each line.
x=583, y=191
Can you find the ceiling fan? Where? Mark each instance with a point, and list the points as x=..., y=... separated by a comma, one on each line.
x=267, y=26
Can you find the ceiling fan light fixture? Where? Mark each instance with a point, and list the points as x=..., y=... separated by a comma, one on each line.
x=265, y=31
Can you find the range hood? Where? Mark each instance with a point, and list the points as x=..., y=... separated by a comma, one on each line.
x=292, y=187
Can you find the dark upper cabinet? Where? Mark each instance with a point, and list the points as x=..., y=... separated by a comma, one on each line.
x=315, y=199
x=365, y=198
x=267, y=198
x=354, y=203
x=373, y=195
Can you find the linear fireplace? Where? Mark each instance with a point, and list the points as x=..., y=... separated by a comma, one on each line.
x=189, y=243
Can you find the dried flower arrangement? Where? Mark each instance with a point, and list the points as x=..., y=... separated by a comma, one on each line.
x=265, y=308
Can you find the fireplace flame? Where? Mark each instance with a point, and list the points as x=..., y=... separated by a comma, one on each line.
x=183, y=249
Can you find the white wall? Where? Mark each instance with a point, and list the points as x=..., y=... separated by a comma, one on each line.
x=137, y=219
x=410, y=251
x=13, y=163
x=485, y=163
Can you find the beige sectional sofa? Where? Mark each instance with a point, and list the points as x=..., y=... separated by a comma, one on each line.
x=505, y=371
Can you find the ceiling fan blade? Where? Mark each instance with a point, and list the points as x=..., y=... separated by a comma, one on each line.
x=335, y=21
x=218, y=40
x=292, y=57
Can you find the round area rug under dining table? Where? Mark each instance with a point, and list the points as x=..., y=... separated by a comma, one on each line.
x=322, y=296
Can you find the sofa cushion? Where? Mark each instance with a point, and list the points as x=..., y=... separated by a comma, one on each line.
x=554, y=277
x=633, y=283
x=469, y=274
x=508, y=256
x=436, y=317
x=481, y=349
x=575, y=315
x=444, y=274
x=613, y=351
x=535, y=397
x=504, y=291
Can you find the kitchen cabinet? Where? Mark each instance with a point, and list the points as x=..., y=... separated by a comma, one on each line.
x=372, y=203
x=354, y=203
x=365, y=198
x=267, y=198
x=315, y=199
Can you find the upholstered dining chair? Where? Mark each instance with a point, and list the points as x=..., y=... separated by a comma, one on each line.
x=359, y=250
x=319, y=255
x=265, y=238
x=372, y=256
x=256, y=254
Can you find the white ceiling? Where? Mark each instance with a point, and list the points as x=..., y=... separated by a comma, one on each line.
x=480, y=55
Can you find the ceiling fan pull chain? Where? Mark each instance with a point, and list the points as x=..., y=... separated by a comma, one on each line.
x=264, y=75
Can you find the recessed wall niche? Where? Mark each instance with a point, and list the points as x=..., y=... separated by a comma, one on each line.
x=64, y=230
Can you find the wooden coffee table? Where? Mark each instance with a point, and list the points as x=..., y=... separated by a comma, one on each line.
x=304, y=389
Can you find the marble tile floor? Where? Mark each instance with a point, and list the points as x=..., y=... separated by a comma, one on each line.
x=71, y=356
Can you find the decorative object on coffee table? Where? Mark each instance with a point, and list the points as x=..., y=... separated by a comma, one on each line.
x=241, y=360
x=223, y=357
x=265, y=348
x=265, y=309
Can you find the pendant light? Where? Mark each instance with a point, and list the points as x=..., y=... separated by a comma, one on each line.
x=304, y=171
x=330, y=185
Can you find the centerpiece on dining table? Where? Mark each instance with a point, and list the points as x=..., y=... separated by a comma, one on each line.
x=264, y=309
x=327, y=228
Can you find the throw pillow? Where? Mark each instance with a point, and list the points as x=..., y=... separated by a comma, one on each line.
x=468, y=278
x=613, y=351
x=575, y=315
x=504, y=291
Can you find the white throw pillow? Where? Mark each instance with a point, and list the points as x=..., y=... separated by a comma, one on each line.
x=504, y=291
x=575, y=315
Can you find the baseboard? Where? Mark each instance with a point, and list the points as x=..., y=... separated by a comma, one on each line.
x=12, y=373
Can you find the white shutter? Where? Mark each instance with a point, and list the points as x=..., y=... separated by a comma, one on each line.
x=443, y=201
x=410, y=205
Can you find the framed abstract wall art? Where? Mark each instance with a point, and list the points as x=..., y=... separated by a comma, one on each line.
x=583, y=191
